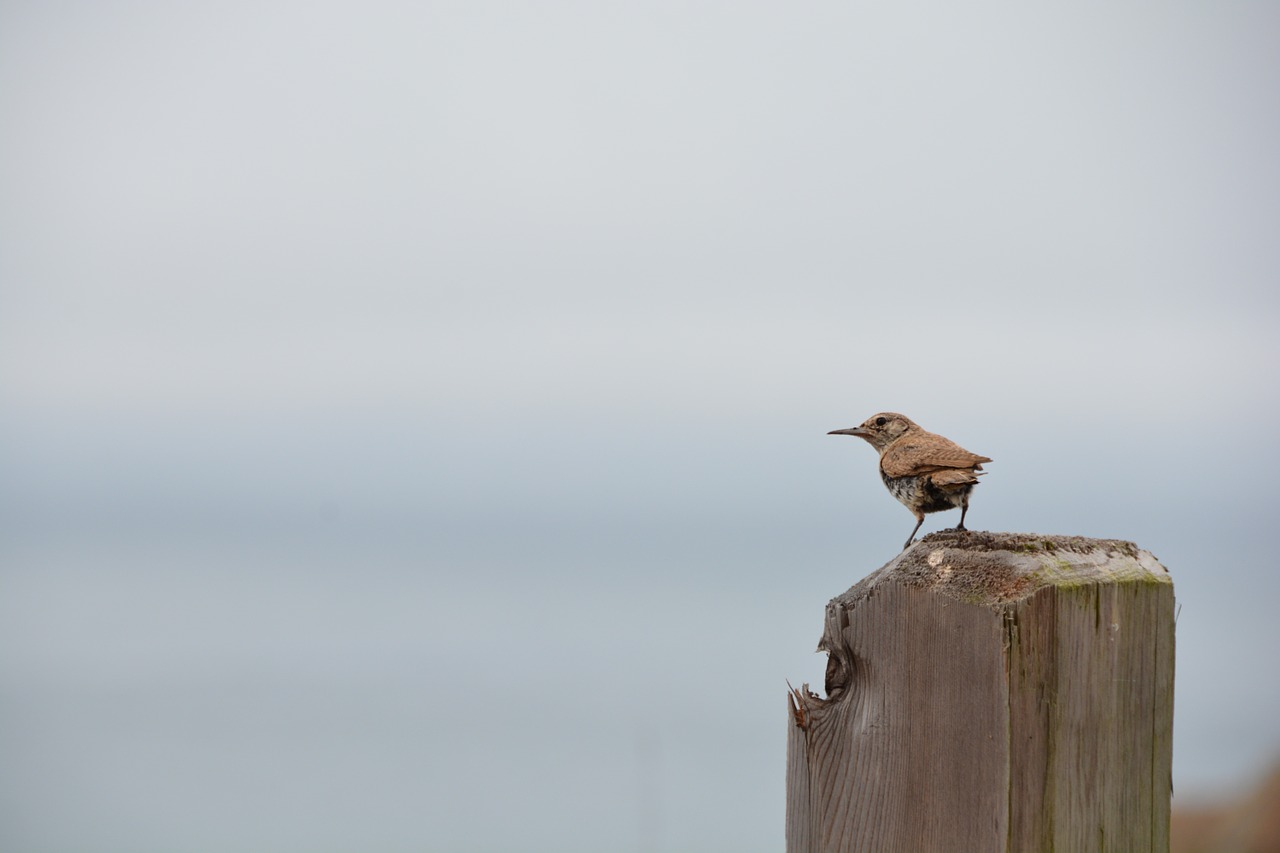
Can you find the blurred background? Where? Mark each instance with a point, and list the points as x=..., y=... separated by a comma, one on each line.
x=412, y=415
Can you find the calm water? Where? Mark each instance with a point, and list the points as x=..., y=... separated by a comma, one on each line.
x=552, y=692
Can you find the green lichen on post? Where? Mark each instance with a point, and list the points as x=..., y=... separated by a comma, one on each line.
x=1055, y=571
x=1115, y=566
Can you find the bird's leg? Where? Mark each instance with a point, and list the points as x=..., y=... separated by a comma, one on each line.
x=911, y=538
x=963, y=510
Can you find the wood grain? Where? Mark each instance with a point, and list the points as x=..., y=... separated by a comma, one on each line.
x=990, y=692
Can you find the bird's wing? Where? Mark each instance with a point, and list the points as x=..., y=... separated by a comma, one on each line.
x=914, y=455
x=952, y=477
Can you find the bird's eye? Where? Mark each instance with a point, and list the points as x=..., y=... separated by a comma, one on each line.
x=879, y=421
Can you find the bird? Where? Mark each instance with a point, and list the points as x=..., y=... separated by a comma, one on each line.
x=924, y=471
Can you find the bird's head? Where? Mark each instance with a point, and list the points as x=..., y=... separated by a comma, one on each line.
x=880, y=430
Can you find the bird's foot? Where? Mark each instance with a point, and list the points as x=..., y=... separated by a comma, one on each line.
x=907, y=544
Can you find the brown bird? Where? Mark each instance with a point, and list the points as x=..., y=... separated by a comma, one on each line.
x=924, y=471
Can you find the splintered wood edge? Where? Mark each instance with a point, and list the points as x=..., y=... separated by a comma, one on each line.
x=994, y=570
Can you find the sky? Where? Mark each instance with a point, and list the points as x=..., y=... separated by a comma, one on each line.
x=412, y=416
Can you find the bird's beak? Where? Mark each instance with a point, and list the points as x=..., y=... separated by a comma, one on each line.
x=858, y=431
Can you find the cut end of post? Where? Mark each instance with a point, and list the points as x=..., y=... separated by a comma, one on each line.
x=995, y=569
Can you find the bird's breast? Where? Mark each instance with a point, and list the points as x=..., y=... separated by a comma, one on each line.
x=906, y=489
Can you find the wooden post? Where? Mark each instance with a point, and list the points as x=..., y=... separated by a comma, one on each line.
x=990, y=693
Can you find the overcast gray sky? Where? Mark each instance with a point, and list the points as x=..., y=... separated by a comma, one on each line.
x=412, y=415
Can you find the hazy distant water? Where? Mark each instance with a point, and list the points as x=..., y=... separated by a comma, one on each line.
x=569, y=644
x=234, y=696
x=334, y=692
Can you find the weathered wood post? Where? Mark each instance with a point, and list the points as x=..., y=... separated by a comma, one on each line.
x=990, y=693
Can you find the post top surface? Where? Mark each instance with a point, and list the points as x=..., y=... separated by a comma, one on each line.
x=993, y=569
